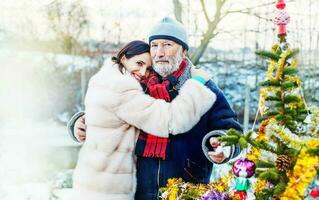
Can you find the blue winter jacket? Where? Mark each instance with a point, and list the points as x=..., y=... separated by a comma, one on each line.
x=185, y=158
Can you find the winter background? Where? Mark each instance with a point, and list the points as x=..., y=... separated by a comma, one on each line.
x=50, y=48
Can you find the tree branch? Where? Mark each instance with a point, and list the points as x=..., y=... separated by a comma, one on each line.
x=178, y=10
x=248, y=13
x=202, y=2
x=209, y=34
x=248, y=9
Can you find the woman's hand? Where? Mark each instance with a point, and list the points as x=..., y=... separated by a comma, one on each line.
x=200, y=72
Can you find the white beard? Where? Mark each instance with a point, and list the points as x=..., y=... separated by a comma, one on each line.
x=168, y=68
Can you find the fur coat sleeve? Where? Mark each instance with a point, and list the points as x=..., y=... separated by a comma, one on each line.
x=159, y=117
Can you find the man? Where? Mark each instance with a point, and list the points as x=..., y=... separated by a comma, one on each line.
x=183, y=154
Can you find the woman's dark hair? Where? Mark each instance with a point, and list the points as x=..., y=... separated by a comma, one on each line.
x=130, y=50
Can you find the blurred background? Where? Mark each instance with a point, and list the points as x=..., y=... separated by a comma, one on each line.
x=49, y=49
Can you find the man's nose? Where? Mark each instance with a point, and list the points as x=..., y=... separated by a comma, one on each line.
x=160, y=52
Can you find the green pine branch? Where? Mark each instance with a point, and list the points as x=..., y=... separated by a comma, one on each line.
x=269, y=83
x=272, y=113
x=288, y=85
x=290, y=71
x=264, y=164
x=267, y=54
x=273, y=98
x=291, y=99
x=279, y=188
x=293, y=53
x=314, y=151
x=270, y=175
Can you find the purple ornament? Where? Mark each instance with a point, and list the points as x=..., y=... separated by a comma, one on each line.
x=269, y=185
x=244, y=165
x=214, y=195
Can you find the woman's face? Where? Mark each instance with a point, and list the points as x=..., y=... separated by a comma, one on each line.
x=138, y=65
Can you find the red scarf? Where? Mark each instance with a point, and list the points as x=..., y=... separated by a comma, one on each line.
x=156, y=146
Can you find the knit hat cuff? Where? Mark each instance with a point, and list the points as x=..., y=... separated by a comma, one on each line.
x=168, y=37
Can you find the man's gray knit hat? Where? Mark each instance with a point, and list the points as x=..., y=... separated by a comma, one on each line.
x=170, y=29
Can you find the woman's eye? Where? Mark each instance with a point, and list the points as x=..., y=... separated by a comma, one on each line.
x=139, y=63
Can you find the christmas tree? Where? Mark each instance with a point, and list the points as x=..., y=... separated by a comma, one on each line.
x=286, y=147
x=283, y=154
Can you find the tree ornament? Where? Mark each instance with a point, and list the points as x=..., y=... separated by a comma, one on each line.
x=243, y=169
x=281, y=19
x=301, y=129
x=213, y=195
x=282, y=163
x=281, y=4
x=284, y=46
x=314, y=193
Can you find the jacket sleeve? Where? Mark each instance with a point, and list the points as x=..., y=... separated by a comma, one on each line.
x=222, y=118
x=160, y=118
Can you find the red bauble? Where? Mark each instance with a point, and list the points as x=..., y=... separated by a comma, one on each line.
x=314, y=193
x=242, y=195
x=281, y=4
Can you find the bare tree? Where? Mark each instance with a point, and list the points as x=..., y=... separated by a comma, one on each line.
x=68, y=21
x=212, y=23
x=210, y=32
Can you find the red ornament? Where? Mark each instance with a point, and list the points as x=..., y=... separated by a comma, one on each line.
x=281, y=4
x=281, y=20
x=241, y=194
x=314, y=193
x=282, y=30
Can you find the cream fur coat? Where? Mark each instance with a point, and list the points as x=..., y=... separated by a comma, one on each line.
x=116, y=108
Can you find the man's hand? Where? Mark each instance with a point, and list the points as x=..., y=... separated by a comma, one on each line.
x=80, y=129
x=218, y=155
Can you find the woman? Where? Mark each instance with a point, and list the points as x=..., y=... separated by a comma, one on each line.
x=116, y=108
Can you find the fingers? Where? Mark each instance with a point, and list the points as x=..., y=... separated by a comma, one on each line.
x=214, y=142
x=82, y=119
x=217, y=158
x=80, y=124
x=80, y=135
x=80, y=129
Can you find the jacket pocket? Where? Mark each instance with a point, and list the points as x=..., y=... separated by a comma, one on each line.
x=195, y=173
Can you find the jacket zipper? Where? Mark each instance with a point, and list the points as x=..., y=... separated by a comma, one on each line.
x=158, y=177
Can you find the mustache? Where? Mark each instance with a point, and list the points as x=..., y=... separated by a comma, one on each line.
x=161, y=59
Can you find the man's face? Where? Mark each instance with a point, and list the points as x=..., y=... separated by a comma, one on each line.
x=166, y=56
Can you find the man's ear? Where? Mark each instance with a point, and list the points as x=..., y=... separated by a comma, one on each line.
x=185, y=53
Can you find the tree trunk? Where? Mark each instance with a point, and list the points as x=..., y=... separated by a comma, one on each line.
x=209, y=34
x=178, y=10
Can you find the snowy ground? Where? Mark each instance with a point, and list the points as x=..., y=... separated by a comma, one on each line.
x=31, y=156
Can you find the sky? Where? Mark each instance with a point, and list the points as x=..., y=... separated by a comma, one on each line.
x=127, y=20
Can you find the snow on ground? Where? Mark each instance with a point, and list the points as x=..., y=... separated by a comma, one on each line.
x=31, y=155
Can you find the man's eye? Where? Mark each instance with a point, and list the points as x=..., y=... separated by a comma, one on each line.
x=139, y=63
x=168, y=44
x=154, y=45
